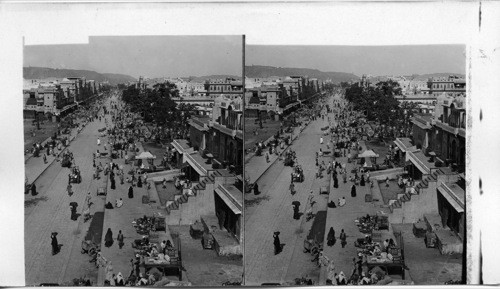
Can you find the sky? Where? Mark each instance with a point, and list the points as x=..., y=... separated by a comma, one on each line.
x=149, y=56
x=359, y=60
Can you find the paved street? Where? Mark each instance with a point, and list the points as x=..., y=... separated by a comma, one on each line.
x=49, y=211
x=257, y=166
x=343, y=218
x=274, y=213
x=121, y=219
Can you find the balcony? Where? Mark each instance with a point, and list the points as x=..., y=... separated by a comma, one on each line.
x=448, y=128
x=226, y=130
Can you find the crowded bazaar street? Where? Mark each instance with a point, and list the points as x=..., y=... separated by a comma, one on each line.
x=100, y=241
x=274, y=212
x=324, y=239
x=245, y=175
x=51, y=182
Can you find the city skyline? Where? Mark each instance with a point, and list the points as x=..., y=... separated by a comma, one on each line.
x=389, y=60
x=148, y=56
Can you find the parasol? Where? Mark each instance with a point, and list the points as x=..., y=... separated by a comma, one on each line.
x=368, y=154
x=145, y=155
x=296, y=203
x=73, y=204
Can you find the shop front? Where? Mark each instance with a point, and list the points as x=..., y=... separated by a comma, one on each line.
x=450, y=199
x=228, y=207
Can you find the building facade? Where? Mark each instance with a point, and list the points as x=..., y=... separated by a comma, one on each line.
x=453, y=85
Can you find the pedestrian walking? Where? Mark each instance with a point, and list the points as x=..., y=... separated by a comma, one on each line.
x=331, y=237
x=73, y=206
x=54, y=243
x=44, y=159
x=353, y=191
x=98, y=141
x=277, y=243
x=343, y=238
x=88, y=200
x=33, y=190
x=130, y=192
x=256, y=189
x=296, y=214
x=108, y=239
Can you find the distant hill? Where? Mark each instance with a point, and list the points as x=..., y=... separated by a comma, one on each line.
x=45, y=72
x=268, y=71
x=427, y=76
x=421, y=77
x=115, y=78
x=218, y=76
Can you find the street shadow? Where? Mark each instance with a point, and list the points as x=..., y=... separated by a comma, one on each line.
x=34, y=201
x=77, y=215
x=256, y=201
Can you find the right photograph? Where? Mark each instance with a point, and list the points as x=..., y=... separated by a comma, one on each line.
x=355, y=165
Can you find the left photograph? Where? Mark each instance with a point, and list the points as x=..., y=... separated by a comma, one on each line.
x=134, y=161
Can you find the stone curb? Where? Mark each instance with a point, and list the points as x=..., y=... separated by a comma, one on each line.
x=70, y=138
x=293, y=139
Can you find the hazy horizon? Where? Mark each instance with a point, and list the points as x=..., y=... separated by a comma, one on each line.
x=148, y=56
x=359, y=60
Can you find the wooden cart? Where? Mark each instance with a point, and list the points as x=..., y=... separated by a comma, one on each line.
x=101, y=191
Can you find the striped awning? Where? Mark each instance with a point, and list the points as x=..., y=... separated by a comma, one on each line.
x=451, y=197
x=194, y=164
x=419, y=164
x=228, y=199
x=405, y=145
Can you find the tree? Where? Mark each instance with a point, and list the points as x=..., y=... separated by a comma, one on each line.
x=156, y=105
x=378, y=102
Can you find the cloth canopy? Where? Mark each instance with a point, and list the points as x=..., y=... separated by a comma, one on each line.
x=145, y=155
x=368, y=154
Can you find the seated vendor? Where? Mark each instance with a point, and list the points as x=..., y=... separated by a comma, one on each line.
x=153, y=252
x=119, y=203
x=342, y=202
x=169, y=245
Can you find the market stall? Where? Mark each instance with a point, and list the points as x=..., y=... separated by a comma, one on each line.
x=145, y=157
x=168, y=262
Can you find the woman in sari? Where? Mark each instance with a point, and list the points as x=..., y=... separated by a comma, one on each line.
x=108, y=239
x=331, y=237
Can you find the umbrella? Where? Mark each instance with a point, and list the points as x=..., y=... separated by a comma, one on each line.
x=73, y=204
x=145, y=155
x=368, y=154
x=296, y=203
